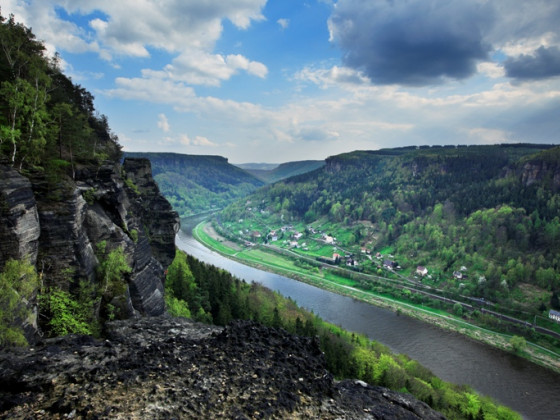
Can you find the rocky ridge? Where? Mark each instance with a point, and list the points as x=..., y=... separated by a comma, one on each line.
x=162, y=367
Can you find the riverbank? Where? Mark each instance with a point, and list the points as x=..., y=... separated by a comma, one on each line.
x=268, y=261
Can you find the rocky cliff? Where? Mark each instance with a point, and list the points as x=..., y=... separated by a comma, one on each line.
x=57, y=226
x=164, y=368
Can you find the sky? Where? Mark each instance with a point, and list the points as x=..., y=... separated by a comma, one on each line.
x=287, y=80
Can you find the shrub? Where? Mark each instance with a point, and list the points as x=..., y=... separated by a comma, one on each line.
x=18, y=283
x=67, y=315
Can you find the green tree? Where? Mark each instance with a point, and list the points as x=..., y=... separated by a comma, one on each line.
x=518, y=343
x=111, y=270
x=458, y=309
x=18, y=283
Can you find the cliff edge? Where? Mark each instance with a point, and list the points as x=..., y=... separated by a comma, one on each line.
x=162, y=367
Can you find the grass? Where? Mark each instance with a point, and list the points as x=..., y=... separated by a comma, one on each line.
x=267, y=259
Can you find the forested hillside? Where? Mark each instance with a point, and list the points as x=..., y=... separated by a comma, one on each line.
x=484, y=221
x=282, y=171
x=47, y=122
x=195, y=184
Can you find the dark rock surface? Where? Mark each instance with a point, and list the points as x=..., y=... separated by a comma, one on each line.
x=162, y=367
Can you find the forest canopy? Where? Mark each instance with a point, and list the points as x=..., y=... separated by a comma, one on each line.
x=47, y=122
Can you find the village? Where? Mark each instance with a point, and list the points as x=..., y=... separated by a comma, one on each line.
x=324, y=243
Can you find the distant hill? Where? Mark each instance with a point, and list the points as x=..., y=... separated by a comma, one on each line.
x=492, y=211
x=271, y=173
x=197, y=183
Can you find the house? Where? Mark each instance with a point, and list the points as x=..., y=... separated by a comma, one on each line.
x=554, y=315
x=297, y=235
x=389, y=264
x=458, y=275
x=421, y=271
x=256, y=234
x=329, y=239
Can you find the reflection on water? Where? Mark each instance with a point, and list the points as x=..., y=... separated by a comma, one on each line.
x=527, y=388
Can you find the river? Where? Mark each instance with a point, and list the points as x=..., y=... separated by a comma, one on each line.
x=527, y=388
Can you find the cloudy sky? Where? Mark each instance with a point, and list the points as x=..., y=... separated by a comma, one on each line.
x=284, y=80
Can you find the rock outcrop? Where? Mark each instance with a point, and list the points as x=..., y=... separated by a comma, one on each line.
x=19, y=220
x=541, y=171
x=162, y=367
x=58, y=225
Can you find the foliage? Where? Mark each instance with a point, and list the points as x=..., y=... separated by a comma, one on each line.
x=111, y=270
x=177, y=307
x=66, y=314
x=44, y=117
x=111, y=273
x=18, y=283
x=518, y=343
x=89, y=196
x=130, y=184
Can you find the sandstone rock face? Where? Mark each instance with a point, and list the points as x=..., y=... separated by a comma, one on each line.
x=161, y=368
x=539, y=170
x=58, y=228
x=159, y=217
x=19, y=220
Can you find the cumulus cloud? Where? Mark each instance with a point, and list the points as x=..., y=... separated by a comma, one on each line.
x=201, y=68
x=543, y=64
x=171, y=25
x=415, y=42
x=129, y=28
x=163, y=123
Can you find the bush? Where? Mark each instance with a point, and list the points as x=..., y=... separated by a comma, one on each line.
x=18, y=283
x=67, y=315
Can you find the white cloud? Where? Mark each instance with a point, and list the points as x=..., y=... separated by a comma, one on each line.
x=198, y=141
x=335, y=75
x=163, y=123
x=202, y=68
x=284, y=23
x=131, y=27
x=203, y=141
x=492, y=70
x=151, y=90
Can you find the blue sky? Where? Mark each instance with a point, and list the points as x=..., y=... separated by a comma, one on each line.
x=286, y=80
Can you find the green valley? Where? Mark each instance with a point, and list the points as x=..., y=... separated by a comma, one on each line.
x=273, y=173
x=196, y=184
x=477, y=225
